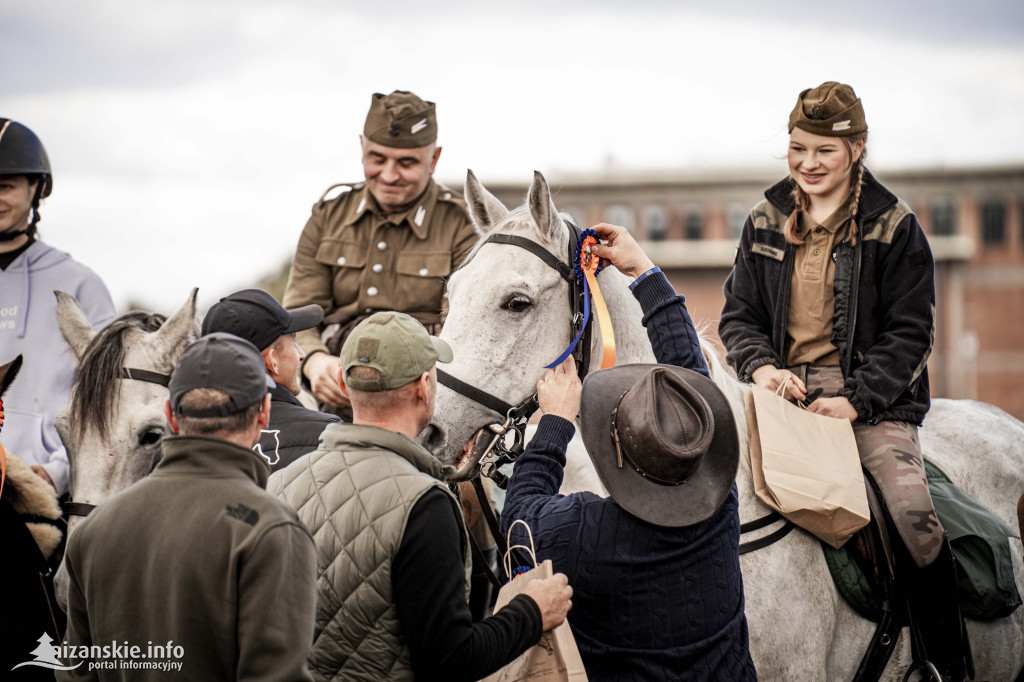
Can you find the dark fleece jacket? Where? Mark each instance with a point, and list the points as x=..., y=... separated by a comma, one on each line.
x=884, y=320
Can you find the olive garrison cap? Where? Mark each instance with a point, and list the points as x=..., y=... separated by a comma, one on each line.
x=401, y=119
x=831, y=109
x=394, y=344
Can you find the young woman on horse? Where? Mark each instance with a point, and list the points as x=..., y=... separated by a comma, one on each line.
x=832, y=294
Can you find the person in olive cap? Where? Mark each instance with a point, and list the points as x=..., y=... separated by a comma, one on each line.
x=833, y=289
x=30, y=271
x=387, y=243
x=257, y=317
x=655, y=565
x=198, y=553
x=392, y=545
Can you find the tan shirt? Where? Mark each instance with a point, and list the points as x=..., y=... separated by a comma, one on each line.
x=353, y=258
x=812, y=298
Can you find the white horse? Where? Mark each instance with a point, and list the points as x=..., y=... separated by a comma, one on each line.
x=115, y=421
x=509, y=316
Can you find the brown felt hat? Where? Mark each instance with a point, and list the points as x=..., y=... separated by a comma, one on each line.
x=831, y=109
x=401, y=119
x=663, y=440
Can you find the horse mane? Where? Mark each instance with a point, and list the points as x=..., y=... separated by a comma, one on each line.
x=96, y=385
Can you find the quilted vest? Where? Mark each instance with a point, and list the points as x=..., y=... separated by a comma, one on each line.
x=355, y=494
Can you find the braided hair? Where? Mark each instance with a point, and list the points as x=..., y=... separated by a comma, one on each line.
x=801, y=201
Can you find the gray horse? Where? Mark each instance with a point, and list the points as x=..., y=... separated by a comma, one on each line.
x=509, y=316
x=115, y=420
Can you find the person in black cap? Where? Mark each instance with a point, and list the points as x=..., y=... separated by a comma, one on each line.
x=256, y=316
x=30, y=271
x=197, y=556
x=655, y=570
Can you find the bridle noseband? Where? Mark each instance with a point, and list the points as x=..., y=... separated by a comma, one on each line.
x=82, y=508
x=498, y=453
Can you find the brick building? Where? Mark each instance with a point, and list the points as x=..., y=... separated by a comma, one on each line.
x=974, y=217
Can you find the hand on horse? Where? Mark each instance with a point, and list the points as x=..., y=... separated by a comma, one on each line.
x=322, y=371
x=771, y=377
x=621, y=250
x=838, y=407
x=558, y=392
x=41, y=473
x=553, y=597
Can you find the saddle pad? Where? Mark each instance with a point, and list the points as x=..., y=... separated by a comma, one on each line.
x=979, y=541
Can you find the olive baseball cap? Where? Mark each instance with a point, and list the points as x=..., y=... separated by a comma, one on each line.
x=831, y=109
x=394, y=344
x=225, y=362
x=400, y=119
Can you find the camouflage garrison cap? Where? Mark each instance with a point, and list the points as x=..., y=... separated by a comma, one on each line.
x=394, y=344
x=831, y=109
x=400, y=119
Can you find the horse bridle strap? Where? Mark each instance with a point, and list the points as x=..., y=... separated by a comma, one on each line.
x=536, y=249
x=77, y=508
x=145, y=375
x=473, y=393
x=771, y=538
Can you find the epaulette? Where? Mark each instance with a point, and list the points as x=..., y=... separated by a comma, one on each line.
x=449, y=195
x=344, y=187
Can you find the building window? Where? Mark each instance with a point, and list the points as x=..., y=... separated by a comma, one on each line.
x=943, y=219
x=737, y=216
x=618, y=214
x=694, y=225
x=993, y=222
x=656, y=222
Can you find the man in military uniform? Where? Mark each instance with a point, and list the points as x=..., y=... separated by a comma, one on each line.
x=384, y=244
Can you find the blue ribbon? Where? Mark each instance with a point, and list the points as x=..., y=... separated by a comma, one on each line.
x=586, y=316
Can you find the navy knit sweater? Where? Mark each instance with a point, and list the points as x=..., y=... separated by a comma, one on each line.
x=649, y=603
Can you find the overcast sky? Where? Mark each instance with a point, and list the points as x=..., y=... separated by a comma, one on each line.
x=189, y=138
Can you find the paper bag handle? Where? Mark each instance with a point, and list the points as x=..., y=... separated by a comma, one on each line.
x=507, y=560
x=781, y=392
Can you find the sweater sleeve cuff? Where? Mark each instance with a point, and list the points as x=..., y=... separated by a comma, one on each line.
x=653, y=289
x=555, y=430
x=531, y=610
x=644, y=276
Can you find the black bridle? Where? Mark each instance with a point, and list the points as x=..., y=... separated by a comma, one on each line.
x=498, y=452
x=82, y=508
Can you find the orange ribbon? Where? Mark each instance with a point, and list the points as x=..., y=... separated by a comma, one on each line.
x=589, y=263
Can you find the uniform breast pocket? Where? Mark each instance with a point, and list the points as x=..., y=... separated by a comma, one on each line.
x=347, y=261
x=420, y=281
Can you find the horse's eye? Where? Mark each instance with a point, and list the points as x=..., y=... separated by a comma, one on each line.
x=518, y=303
x=150, y=437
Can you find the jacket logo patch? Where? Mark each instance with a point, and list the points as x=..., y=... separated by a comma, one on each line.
x=765, y=250
x=243, y=513
x=272, y=457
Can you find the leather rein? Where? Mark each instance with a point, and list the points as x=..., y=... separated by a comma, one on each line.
x=82, y=508
x=497, y=452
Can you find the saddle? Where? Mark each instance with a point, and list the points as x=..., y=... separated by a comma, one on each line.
x=865, y=569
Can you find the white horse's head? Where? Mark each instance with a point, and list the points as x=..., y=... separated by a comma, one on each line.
x=113, y=426
x=509, y=314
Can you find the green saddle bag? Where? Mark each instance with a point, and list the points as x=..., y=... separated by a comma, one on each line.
x=979, y=540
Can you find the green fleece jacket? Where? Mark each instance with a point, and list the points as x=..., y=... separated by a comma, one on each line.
x=198, y=559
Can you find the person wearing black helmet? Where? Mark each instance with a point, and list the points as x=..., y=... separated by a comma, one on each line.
x=30, y=271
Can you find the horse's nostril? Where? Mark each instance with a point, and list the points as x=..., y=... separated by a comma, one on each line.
x=432, y=438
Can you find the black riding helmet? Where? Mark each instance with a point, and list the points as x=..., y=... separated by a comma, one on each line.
x=22, y=153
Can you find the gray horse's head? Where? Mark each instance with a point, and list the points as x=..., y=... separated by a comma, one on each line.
x=509, y=315
x=112, y=427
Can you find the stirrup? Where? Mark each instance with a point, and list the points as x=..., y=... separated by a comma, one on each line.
x=928, y=667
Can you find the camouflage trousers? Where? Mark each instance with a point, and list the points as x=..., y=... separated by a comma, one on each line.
x=891, y=453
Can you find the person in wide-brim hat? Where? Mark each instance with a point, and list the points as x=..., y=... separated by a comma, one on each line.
x=663, y=441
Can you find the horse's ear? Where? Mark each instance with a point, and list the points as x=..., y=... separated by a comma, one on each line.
x=8, y=372
x=542, y=208
x=179, y=330
x=73, y=323
x=484, y=208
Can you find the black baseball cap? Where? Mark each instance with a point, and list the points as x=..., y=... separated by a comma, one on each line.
x=224, y=362
x=257, y=317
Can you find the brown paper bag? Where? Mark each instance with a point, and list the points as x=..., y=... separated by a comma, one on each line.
x=555, y=657
x=806, y=466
